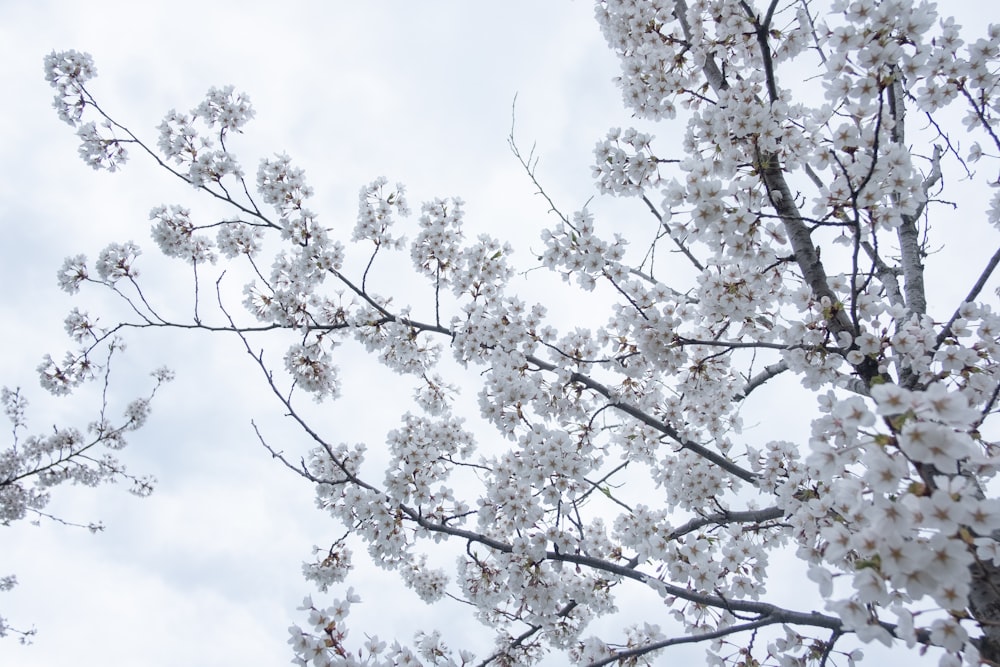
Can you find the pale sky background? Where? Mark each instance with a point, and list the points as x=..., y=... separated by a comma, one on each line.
x=207, y=570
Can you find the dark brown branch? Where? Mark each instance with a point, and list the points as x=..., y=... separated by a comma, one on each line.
x=659, y=425
x=677, y=242
x=622, y=656
x=970, y=297
x=760, y=31
x=723, y=518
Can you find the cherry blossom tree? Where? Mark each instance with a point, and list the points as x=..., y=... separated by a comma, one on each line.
x=801, y=212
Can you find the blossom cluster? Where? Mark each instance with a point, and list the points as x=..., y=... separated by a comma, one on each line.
x=173, y=232
x=621, y=171
x=67, y=72
x=376, y=208
x=205, y=157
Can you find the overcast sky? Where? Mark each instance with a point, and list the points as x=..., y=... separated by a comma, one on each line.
x=207, y=570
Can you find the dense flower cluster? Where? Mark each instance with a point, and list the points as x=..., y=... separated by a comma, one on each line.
x=173, y=231
x=117, y=261
x=205, y=157
x=622, y=462
x=436, y=248
x=239, y=238
x=376, y=209
x=625, y=172
x=67, y=72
